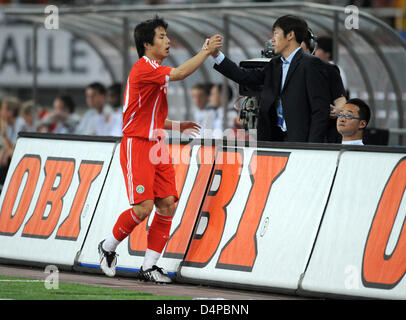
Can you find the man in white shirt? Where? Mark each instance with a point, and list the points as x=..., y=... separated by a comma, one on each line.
x=26, y=121
x=215, y=113
x=200, y=96
x=115, y=122
x=352, y=121
x=94, y=121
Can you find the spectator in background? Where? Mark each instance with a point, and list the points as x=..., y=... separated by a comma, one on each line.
x=25, y=121
x=352, y=121
x=324, y=51
x=216, y=110
x=62, y=119
x=116, y=118
x=95, y=120
x=10, y=108
x=336, y=87
x=200, y=95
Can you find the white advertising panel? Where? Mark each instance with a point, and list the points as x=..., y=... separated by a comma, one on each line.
x=260, y=217
x=361, y=247
x=48, y=200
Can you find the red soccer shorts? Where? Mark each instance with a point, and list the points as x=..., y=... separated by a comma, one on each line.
x=148, y=170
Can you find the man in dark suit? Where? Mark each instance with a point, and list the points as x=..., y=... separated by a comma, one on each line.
x=294, y=102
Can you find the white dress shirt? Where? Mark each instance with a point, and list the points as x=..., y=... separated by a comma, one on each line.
x=353, y=142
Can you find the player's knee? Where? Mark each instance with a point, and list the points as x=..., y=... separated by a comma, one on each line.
x=166, y=207
x=143, y=210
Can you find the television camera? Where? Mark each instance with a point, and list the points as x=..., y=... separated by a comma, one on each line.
x=249, y=110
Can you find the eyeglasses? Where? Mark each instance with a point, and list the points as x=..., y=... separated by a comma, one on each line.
x=347, y=116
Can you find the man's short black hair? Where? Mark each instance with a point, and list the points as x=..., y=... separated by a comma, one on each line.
x=290, y=23
x=220, y=87
x=364, y=110
x=115, y=89
x=144, y=32
x=98, y=87
x=206, y=87
x=326, y=44
x=68, y=102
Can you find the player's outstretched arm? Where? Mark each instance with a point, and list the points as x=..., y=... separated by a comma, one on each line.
x=191, y=65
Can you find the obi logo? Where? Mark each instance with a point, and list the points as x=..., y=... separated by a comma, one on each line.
x=50, y=198
x=140, y=189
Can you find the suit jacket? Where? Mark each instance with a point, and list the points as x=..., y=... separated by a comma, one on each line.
x=305, y=97
x=337, y=90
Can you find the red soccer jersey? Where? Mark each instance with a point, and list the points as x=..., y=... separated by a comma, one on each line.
x=145, y=106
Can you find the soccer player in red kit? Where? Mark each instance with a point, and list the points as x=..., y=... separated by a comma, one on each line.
x=150, y=180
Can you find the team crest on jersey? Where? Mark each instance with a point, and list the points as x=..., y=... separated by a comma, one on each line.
x=140, y=189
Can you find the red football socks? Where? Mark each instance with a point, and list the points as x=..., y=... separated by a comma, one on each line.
x=125, y=224
x=158, y=233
